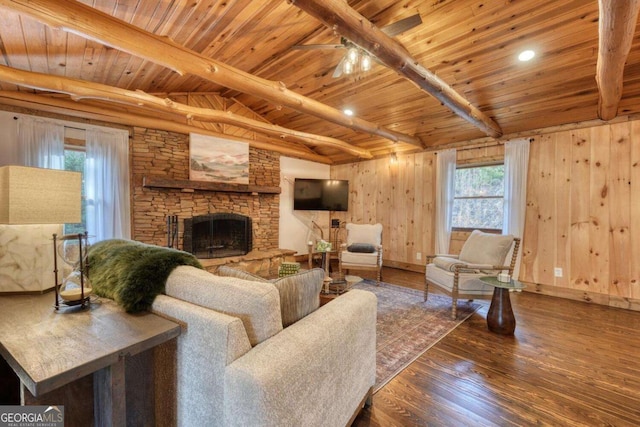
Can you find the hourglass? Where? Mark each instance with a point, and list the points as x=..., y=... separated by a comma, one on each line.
x=75, y=288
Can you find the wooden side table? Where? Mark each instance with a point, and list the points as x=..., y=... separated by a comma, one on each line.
x=500, y=317
x=48, y=350
x=325, y=262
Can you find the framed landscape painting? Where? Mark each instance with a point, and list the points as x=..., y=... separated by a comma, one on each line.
x=216, y=159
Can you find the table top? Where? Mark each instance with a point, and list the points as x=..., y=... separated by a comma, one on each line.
x=493, y=281
x=328, y=251
x=48, y=349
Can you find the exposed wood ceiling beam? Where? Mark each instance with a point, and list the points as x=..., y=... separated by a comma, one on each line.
x=339, y=16
x=92, y=112
x=79, y=89
x=83, y=20
x=617, y=25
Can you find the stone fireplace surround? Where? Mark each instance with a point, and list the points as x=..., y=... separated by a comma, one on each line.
x=156, y=153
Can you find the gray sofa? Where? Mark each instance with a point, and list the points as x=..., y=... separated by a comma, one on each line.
x=234, y=363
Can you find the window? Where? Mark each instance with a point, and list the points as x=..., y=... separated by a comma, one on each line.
x=74, y=158
x=479, y=197
x=100, y=154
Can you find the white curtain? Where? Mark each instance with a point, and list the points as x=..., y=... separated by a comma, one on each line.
x=516, y=163
x=41, y=142
x=445, y=179
x=107, y=184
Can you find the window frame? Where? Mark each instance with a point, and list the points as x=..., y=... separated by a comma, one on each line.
x=477, y=165
x=78, y=146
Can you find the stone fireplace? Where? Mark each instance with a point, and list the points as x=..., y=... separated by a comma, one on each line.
x=218, y=235
x=164, y=156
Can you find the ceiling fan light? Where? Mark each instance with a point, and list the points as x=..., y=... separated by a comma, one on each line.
x=352, y=55
x=365, y=62
x=347, y=67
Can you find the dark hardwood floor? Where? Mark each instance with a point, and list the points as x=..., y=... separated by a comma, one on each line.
x=569, y=364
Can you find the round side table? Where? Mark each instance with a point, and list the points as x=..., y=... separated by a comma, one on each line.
x=500, y=317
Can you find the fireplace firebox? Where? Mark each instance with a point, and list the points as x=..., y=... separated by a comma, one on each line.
x=218, y=235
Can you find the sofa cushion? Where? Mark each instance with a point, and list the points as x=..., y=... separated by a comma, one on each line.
x=468, y=283
x=359, y=258
x=299, y=293
x=486, y=248
x=257, y=304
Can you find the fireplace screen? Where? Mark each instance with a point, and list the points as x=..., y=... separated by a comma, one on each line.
x=217, y=235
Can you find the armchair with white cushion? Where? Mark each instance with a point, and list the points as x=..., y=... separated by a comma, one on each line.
x=363, y=249
x=482, y=254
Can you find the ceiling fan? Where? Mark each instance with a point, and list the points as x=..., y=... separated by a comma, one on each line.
x=356, y=58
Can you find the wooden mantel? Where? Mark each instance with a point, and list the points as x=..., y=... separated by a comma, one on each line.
x=190, y=186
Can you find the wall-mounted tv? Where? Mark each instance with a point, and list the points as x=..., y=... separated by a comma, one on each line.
x=320, y=194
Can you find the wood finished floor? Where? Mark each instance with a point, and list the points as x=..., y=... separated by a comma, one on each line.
x=569, y=364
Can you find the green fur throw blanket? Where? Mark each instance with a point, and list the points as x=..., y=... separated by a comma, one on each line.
x=133, y=273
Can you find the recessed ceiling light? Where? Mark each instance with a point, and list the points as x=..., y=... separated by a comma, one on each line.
x=348, y=111
x=526, y=55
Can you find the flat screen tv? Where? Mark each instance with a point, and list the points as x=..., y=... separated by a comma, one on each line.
x=320, y=194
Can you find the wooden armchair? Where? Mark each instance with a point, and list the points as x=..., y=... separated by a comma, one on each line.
x=483, y=254
x=363, y=249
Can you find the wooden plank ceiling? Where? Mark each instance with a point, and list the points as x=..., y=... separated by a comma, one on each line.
x=472, y=45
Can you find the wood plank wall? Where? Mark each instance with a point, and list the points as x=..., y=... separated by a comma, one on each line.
x=583, y=214
x=583, y=211
x=401, y=197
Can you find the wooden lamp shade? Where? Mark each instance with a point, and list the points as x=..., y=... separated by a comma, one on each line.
x=31, y=195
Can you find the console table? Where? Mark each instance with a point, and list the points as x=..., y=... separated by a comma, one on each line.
x=48, y=350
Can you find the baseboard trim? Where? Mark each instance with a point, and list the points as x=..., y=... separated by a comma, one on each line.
x=417, y=268
x=554, y=291
x=584, y=296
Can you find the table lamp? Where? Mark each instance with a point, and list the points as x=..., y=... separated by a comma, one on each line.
x=29, y=198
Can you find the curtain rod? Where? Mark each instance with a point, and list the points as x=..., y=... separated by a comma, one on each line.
x=65, y=126
x=72, y=127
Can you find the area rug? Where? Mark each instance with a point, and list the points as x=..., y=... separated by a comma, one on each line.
x=407, y=326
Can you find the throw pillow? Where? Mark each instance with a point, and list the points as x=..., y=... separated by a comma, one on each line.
x=362, y=248
x=299, y=293
x=227, y=271
x=486, y=248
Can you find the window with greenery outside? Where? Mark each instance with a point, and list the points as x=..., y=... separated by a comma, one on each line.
x=479, y=197
x=74, y=161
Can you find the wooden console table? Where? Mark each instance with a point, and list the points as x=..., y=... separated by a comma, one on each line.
x=49, y=350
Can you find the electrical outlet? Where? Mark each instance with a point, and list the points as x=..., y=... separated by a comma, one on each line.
x=557, y=272
x=418, y=256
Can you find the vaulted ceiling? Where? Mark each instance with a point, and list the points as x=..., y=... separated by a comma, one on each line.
x=469, y=45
